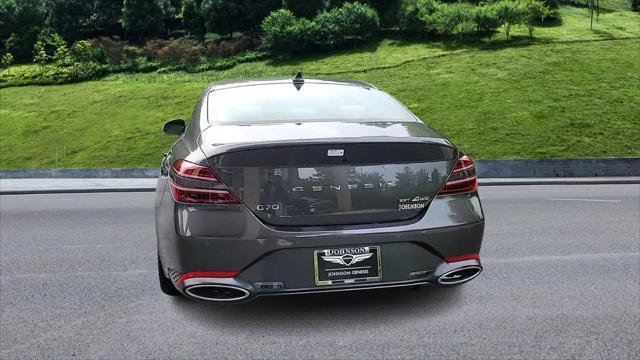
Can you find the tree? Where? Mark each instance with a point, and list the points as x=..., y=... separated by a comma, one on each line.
x=533, y=12
x=108, y=15
x=510, y=14
x=7, y=60
x=635, y=5
x=192, y=19
x=142, y=18
x=594, y=8
x=257, y=10
x=20, y=23
x=172, y=11
x=486, y=19
x=305, y=8
x=225, y=17
x=68, y=17
x=8, y=13
x=40, y=55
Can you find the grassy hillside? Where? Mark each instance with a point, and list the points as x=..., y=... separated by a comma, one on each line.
x=568, y=93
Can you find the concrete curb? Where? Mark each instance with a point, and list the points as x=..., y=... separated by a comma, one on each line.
x=79, y=173
x=518, y=168
x=69, y=186
x=583, y=167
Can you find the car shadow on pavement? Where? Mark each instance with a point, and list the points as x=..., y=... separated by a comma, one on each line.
x=326, y=309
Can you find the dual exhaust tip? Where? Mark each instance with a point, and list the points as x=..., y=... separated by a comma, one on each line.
x=223, y=293
x=217, y=292
x=460, y=275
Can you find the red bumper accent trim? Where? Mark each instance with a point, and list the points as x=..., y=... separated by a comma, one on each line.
x=206, y=274
x=452, y=259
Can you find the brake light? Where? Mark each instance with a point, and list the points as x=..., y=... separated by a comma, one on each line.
x=463, y=178
x=192, y=171
x=196, y=184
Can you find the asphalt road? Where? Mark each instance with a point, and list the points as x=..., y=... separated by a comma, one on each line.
x=561, y=280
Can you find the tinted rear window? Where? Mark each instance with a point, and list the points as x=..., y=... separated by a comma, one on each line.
x=313, y=102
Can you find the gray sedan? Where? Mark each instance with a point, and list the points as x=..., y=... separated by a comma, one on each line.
x=297, y=186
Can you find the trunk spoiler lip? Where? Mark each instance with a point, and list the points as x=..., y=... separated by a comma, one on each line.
x=219, y=149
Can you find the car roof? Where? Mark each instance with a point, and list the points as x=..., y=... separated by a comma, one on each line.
x=226, y=84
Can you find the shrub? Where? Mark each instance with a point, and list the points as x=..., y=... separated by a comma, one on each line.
x=635, y=5
x=328, y=29
x=283, y=33
x=358, y=20
x=82, y=51
x=230, y=47
x=6, y=61
x=510, y=13
x=426, y=10
x=251, y=56
x=62, y=56
x=107, y=48
x=40, y=55
x=408, y=20
x=486, y=18
x=456, y=18
x=131, y=53
x=447, y=19
x=533, y=12
x=52, y=75
x=219, y=64
x=173, y=52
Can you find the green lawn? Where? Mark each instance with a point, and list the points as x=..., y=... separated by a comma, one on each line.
x=568, y=93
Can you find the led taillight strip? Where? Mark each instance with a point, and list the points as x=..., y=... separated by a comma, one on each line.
x=191, y=183
x=462, y=179
x=187, y=195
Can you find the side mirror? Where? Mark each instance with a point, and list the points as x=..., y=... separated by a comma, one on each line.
x=174, y=127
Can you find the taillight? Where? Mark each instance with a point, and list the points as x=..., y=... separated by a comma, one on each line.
x=463, y=178
x=196, y=184
x=192, y=171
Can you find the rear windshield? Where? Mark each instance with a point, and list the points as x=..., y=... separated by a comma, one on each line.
x=313, y=102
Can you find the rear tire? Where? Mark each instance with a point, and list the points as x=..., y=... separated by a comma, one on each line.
x=166, y=285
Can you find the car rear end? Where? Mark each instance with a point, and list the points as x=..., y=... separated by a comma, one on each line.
x=320, y=214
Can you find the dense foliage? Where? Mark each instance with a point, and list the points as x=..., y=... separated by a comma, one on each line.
x=463, y=17
x=199, y=35
x=284, y=33
x=141, y=18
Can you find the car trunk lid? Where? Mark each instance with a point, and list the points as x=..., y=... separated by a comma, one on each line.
x=341, y=183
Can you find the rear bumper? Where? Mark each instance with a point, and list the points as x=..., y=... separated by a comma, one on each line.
x=249, y=291
x=272, y=261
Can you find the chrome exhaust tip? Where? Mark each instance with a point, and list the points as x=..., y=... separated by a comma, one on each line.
x=460, y=275
x=217, y=292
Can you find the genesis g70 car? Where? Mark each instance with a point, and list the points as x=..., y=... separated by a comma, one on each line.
x=299, y=185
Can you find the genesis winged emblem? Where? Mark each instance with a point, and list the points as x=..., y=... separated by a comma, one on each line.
x=346, y=259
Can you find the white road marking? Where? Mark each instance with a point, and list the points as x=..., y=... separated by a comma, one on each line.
x=560, y=257
x=85, y=273
x=587, y=200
